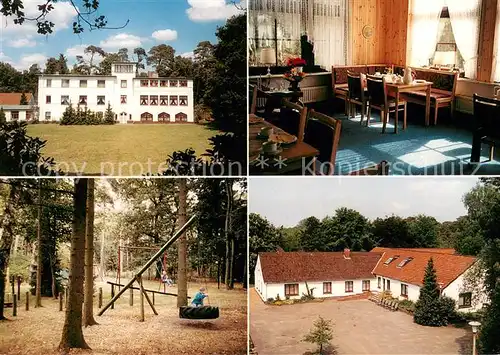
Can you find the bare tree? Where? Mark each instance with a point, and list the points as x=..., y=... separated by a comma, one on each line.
x=182, y=250
x=88, y=314
x=72, y=334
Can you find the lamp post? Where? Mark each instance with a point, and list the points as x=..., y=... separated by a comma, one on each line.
x=475, y=327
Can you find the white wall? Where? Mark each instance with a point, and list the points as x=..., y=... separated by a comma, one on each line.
x=457, y=287
x=260, y=286
x=338, y=289
x=22, y=115
x=112, y=93
x=413, y=290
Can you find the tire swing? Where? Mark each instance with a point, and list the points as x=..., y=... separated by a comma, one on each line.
x=202, y=312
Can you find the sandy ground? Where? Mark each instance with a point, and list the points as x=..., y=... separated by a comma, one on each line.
x=38, y=331
x=359, y=327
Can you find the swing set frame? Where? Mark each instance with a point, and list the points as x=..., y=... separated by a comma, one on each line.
x=138, y=277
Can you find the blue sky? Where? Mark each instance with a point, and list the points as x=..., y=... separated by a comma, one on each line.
x=179, y=23
x=285, y=202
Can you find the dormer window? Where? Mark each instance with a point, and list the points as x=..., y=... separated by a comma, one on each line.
x=391, y=259
x=404, y=262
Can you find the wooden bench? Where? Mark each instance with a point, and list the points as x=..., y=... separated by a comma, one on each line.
x=442, y=91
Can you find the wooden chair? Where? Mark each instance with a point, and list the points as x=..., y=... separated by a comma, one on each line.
x=378, y=99
x=323, y=133
x=487, y=117
x=356, y=95
x=292, y=119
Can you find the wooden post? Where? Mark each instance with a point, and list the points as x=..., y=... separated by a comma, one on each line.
x=12, y=283
x=19, y=288
x=27, y=301
x=143, y=292
x=112, y=296
x=14, y=305
x=61, y=296
x=131, y=299
x=142, y=299
x=100, y=297
x=66, y=295
x=153, y=297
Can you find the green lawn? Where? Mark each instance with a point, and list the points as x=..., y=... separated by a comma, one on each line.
x=118, y=150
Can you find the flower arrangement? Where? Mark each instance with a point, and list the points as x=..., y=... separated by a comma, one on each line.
x=295, y=75
x=296, y=62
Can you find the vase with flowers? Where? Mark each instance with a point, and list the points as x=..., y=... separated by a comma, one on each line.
x=295, y=74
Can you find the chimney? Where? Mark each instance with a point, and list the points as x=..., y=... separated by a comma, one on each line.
x=347, y=253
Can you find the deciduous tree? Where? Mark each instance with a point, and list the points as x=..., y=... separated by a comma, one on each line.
x=321, y=334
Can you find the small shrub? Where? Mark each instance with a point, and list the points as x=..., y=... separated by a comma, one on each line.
x=321, y=334
x=407, y=305
x=270, y=300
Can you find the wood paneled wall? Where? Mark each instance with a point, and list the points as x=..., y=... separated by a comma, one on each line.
x=390, y=21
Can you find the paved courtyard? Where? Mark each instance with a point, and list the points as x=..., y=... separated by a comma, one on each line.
x=359, y=327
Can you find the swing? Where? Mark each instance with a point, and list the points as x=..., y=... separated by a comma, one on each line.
x=203, y=312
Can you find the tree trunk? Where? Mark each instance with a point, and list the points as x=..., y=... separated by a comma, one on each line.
x=228, y=280
x=72, y=334
x=6, y=238
x=102, y=258
x=182, y=246
x=88, y=305
x=38, y=291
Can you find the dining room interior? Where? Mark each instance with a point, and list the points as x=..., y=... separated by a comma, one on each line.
x=374, y=87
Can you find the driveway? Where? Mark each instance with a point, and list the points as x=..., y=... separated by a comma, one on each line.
x=359, y=327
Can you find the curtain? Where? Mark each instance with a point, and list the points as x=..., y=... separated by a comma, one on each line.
x=324, y=22
x=496, y=56
x=425, y=16
x=465, y=17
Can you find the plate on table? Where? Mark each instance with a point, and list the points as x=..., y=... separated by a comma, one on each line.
x=283, y=138
x=255, y=120
x=420, y=81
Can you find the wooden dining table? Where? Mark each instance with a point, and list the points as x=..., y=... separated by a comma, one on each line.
x=396, y=89
x=292, y=157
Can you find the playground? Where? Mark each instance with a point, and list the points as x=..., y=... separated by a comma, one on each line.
x=101, y=274
x=38, y=330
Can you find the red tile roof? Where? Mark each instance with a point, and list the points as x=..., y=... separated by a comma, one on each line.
x=448, y=266
x=430, y=250
x=282, y=266
x=13, y=98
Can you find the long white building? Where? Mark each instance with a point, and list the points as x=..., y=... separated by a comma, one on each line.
x=397, y=271
x=134, y=99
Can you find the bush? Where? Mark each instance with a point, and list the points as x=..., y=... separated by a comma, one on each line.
x=270, y=300
x=86, y=117
x=407, y=305
x=202, y=114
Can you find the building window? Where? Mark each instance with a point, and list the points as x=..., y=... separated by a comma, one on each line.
x=163, y=100
x=101, y=83
x=146, y=116
x=65, y=83
x=123, y=99
x=388, y=287
x=349, y=286
x=404, y=290
x=173, y=83
x=83, y=83
x=164, y=117
x=64, y=100
x=14, y=115
x=49, y=83
x=153, y=100
x=144, y=83
x=123, y=83
x=83, y=100
x=391, y=259
x=327, y=288
x=153, y=83
x=163, y=83
x=48, y=99
x=465, y=300
x=379, y=282
x=144, y=100
x=28, y=115
x=366, y=285
x=101, y=100
x=124, y=68
x=284, y=21
x=291, y=290
x=183, y=100
x=181, y=117
x=183, y=83
x=47, y=115
x=173, y=100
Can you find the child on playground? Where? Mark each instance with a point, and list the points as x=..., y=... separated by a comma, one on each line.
x=198, y=298
x=165, y=279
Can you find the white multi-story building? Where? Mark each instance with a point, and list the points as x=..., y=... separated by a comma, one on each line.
x=132, y=98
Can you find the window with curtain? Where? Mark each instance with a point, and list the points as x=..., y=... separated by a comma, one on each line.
x=281, y=23
x=443, y=31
